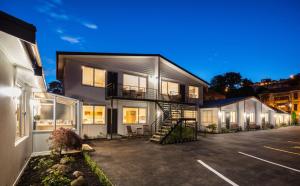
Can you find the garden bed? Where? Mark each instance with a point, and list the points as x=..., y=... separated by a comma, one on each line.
x=56, y=171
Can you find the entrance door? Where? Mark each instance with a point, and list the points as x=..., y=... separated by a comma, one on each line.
x=227, y=120
x=112, y=82
x=112, y=122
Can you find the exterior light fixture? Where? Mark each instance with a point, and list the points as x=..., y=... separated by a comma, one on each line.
x=10, y=91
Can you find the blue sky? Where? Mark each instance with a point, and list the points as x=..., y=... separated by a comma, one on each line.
x=258, y=38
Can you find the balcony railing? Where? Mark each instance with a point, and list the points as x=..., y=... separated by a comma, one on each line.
x=142, y=93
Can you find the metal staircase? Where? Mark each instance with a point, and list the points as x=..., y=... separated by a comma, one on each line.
x=163, y=125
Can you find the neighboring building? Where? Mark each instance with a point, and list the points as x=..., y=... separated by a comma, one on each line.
x=21, y=74
x=241, y=113
x=127, y=90
x=285, y=99
x=211, y=95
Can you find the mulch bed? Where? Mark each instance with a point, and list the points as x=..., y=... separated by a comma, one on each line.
x=33, y=177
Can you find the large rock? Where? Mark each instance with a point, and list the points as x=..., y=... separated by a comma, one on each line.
x=87, y=148
x=61, y=168
x=76, y=174
x=80, y=181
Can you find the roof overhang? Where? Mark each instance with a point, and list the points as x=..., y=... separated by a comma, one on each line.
x=61, y=55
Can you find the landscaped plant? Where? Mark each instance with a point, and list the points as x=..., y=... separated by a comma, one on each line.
x=225, y=130
x=64, y=139
x=212, y=127
x=98, y=171
x=294, y=118
x=44, y=163
x=56, y=178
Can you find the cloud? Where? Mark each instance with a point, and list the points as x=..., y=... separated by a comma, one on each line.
x=90, y=25
x=59, y=31
x=70, y=39
x=58, y=16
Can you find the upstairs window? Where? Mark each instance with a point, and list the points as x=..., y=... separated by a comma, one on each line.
x=169, y=88
x=295, y=95
x=93, y=77
x=136, y=83
x=295, y=107
x=193, y=92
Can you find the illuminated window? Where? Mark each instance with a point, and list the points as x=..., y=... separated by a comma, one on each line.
x=93, y=77
x=207, y=116
x=190, y=114
x=223, y=117
x=232, y=117
x=136, y=83
x=251, y=117
x=193, y=92
x=93, y=114
x=169, y=88
x=20, y=117
x=134, y=115
x=265, y=116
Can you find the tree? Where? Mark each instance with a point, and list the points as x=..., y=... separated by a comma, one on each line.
x=246, y=82
x=55, y=87
x=294, y=118
x=233, y=79
x=218, y=83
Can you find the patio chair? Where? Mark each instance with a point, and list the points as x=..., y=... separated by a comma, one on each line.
x=130, y=133
x=146, y=130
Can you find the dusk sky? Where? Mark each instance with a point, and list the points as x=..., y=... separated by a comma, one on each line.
x=259, y=39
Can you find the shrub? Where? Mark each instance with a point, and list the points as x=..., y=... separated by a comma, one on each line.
x=64, y=139
x=212, y=127
x=43, y=164
x=56, y=178
x=225, y=130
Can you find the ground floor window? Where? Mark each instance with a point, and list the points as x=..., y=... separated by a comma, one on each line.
x=134, y=115
x=207, y=116
x=52, y=112
x=20, y=116
x=92, y=114
x=251, y=117
x=232, y=117
x=190, y=114
x=265, y=117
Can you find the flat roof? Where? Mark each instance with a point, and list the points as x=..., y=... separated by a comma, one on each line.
x=17, y=27
x=59, y=72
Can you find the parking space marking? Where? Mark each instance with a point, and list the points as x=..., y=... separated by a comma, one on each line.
x=217, y=173
x=294, y=142
x=296, y=170
x=281, y=150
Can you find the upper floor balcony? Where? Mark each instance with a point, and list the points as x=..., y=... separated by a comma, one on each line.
x=121, y=91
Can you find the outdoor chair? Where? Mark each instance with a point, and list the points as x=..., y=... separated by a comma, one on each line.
x=130, y=132
x=146, y=130
x=234, y=127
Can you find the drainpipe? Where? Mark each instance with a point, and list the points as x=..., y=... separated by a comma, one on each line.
x=111, y=118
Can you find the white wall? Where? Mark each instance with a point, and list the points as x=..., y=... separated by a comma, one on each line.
x=12, y=155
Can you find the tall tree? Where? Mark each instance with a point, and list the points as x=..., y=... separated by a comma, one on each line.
x=55, y=87
x=233, y=79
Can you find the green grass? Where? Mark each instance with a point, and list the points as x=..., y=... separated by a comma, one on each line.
x=104, y=180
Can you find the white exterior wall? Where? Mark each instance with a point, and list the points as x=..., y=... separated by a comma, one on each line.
x=13, y=155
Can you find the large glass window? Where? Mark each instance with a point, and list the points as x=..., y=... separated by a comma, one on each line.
x=207, y=116
x=251, y=117
x=136, y=83
x=232, y=117
x=93, y=114
x=169, y=88
x=190, y=114
x=134, y=115
x=93, y=77
x=265, y=116
x=51, y=111
x=193, y=92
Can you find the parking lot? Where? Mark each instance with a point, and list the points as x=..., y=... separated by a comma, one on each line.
x=265, y=157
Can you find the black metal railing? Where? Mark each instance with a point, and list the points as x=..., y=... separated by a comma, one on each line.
x=142, y=93
x=184, y=130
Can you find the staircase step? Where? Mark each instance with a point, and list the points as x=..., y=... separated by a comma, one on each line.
x=155, y=140
x=157, y=136
x=166, y=127
x=161, y=133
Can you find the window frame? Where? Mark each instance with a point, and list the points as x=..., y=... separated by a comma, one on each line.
x=138, y=76
x=161, y=88
x=93, y=123
x=197, y=96
x=93, y=68
x=138, y=116
x=207, y=121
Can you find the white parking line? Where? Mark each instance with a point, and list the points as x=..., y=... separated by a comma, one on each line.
x=294, y=142
x=289, y=152
x=296, y=170
x=217, y=173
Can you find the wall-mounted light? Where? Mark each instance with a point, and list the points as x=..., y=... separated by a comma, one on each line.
x=10, y=91
x=158, y=113
x=152, y=78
